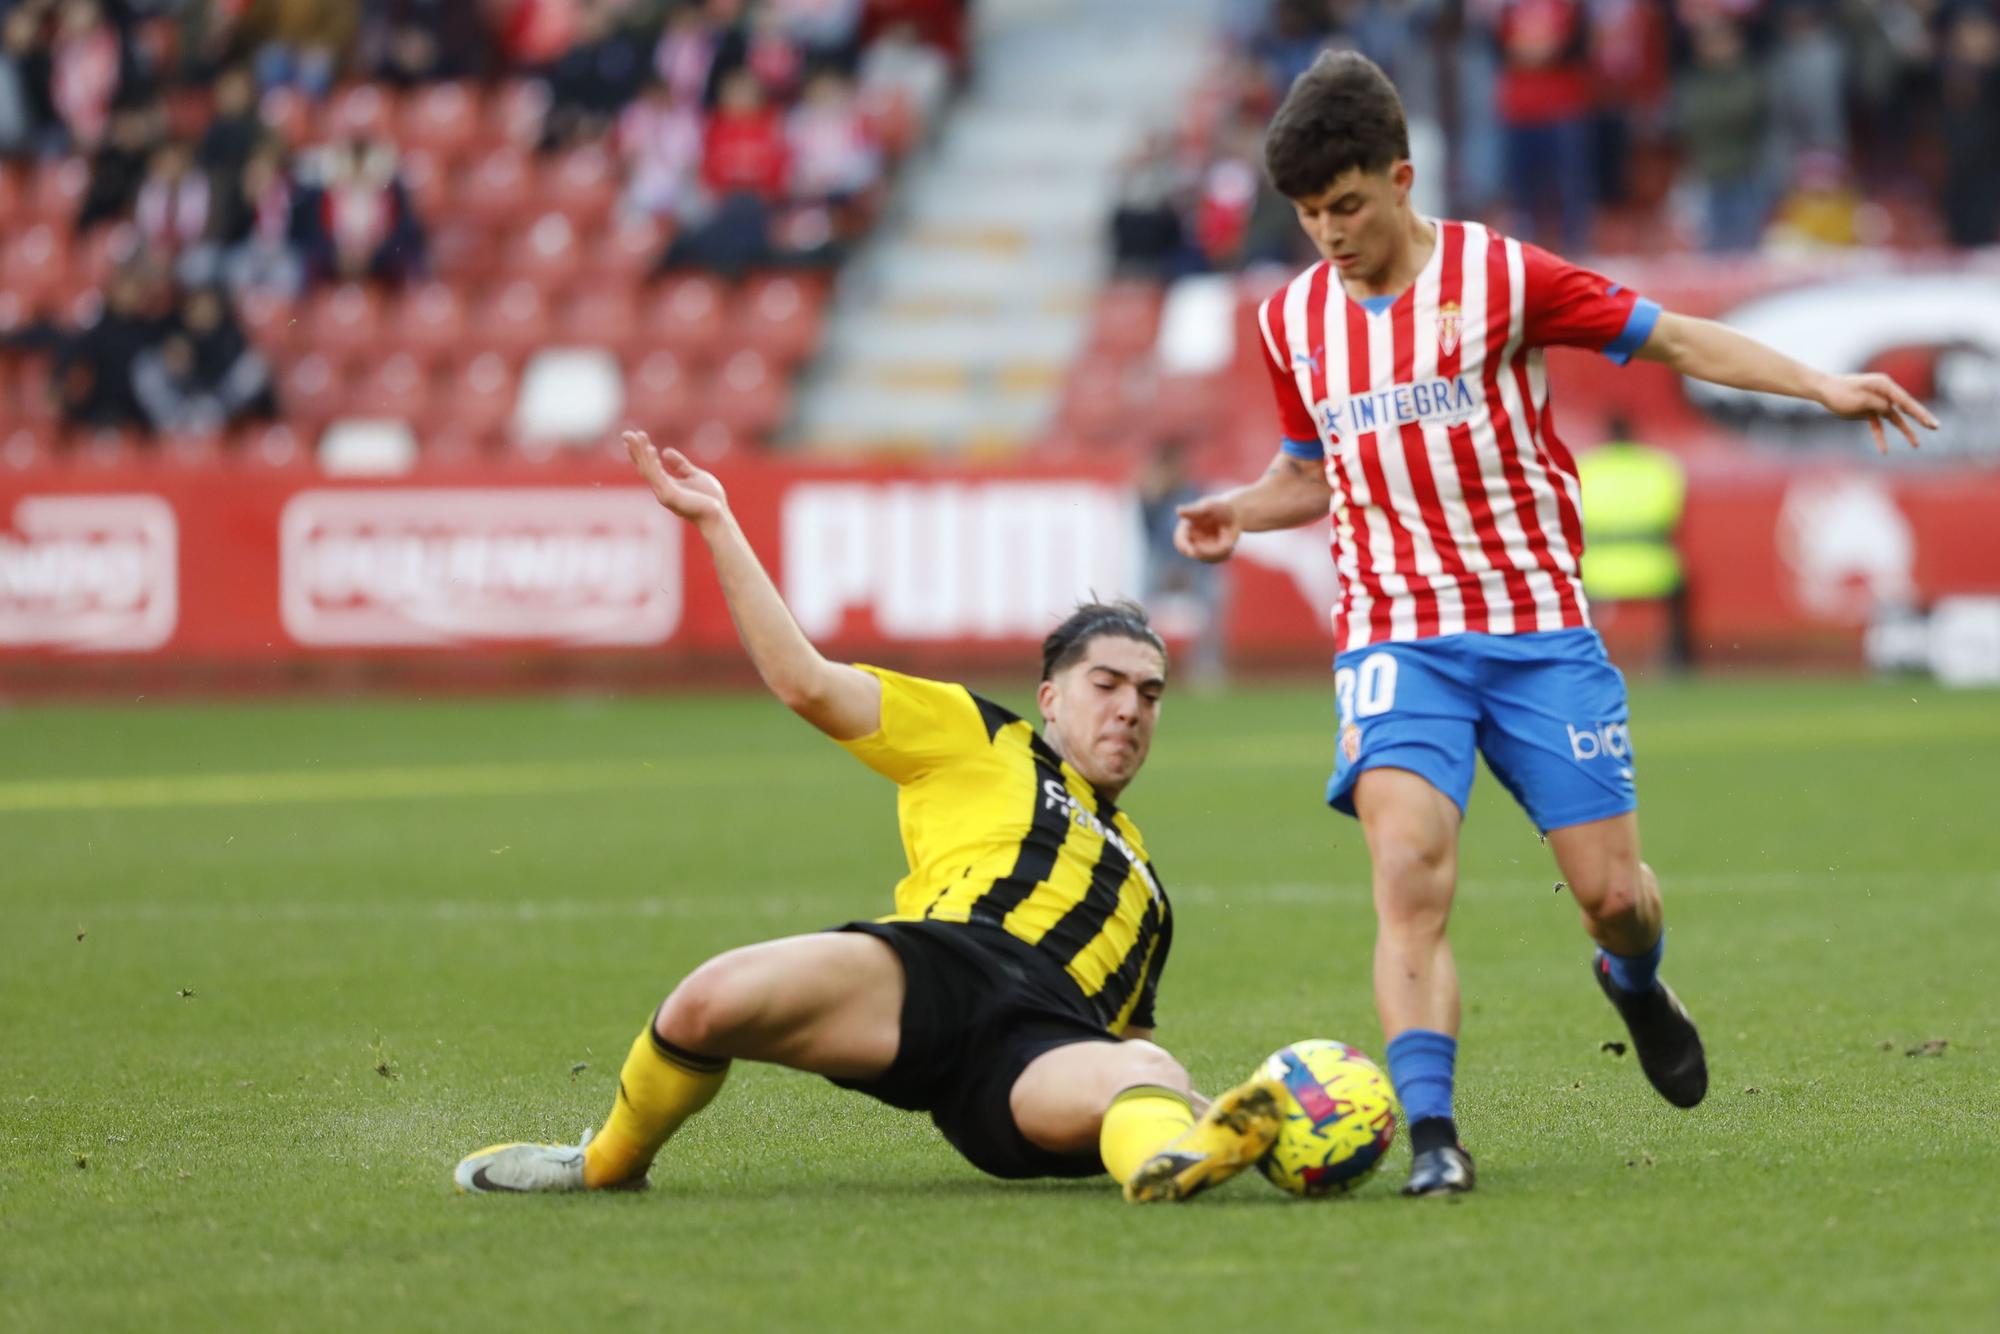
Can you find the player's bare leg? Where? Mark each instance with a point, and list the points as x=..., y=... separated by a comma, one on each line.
x=1619, y=898
x=1412, y=834
x=829, y=1003
x=1132, y=1103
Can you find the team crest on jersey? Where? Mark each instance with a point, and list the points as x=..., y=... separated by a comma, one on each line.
x=1451, y=324
x=1350, y=742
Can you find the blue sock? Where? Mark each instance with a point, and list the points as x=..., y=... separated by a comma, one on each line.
x=1420, y=1066
x=1635, y=973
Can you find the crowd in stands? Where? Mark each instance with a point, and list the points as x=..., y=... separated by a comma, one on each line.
x=1629, y=125
x=191, y=189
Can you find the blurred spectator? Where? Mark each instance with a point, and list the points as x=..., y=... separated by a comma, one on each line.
x=299, y=43
x=24, y=79
x=253, y=230
x=354, y=221
x=85, y=65
x=771, y=54
x=826, y=32
x=534, y=33
x=743, y=148
x=409, y=42
x=597, y=77
x=93, y=372
x=1809, y=80
x=172, y=207
x=203, y=374
x=833, y=157
x=899, y=64
x=659, y=139
x=119, y=166
x=1971, y=126
x=1823, y=210
x=1146, y=232
x=1295, y=35
x=1545, y=106
x=685, y=57
x=235, y=130
x=1724, y=115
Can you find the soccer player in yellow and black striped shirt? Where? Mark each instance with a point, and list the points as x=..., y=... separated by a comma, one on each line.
x=1011, y=993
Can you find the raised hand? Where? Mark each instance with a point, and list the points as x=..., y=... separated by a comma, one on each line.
x=1207, y=529
x=1875, y=398
x=688, y=491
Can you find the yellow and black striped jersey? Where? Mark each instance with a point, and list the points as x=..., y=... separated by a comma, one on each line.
x=999, y=831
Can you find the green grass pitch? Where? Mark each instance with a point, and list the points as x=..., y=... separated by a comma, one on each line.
x=269, y=969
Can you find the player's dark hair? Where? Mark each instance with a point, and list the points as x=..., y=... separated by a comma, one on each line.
x=1341, y=114
x=1066, y=643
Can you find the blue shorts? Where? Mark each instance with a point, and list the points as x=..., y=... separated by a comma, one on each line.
x=1546, y=709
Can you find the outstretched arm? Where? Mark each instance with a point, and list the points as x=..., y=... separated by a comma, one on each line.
x=1704, y=350
x=842, y=701
x=1291, y=492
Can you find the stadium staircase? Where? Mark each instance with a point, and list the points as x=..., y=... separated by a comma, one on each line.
x=955, y=327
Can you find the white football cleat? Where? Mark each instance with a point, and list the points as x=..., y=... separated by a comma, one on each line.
x=522, y=1169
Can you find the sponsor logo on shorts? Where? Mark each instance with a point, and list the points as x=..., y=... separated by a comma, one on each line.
x=1350, y=742
x=1613, y=739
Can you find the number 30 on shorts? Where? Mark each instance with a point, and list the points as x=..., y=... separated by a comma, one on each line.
x=1364, y=691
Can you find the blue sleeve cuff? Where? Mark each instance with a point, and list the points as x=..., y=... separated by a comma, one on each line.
x=1303, y=449
x=1638, y=328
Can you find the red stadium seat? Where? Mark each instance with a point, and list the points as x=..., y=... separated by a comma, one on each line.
x=583, y=183
x=686, y=316
x=366, y=110
x=312, y=392
x=190, y=450
x=779, y=316
x=399, y=387
x=516, y=112
x=344, y=323
x=1127, y=320
x=463, y=251
x=429, y=321
x=286, y=113
x=35, y=264
x=545, y=253
x=711, y=441
x=481, y=394
x=107, y=449
x=30, y=395
x=269, y=318
x=442, y=119
x=513, y=321
x=27, y=446
x=427, y=177
x=449, y=443
x=748, y=395
x=658, y=397
x=57, y=190
x=601, y=316
x=273, y=445
x=13, y=195
x=498, y=189
x=625, y=252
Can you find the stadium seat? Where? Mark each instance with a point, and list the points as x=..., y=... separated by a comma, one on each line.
x=1126, y=320
x=516, y=111
x=463, y=251
x=13, y=195
x=545, y=253
x=427, y=176
x=269, y=319
x=272, y=445
x=35, y=264
x=14, y=312
x=1096, y=403
x=601, y=316
x=625, y=252
x=55, y=193
x=779, y=317
x=26, y=447
x=194, y=450
x=710, y=441
x=366, y=110
x=748, y=395
x=442, y=119
x=30, y=396
x=399, y=387
x=429, y=320
x=583, y=183
x=367, y=447
x=345, y=322
x=686, y=316
x=498, y=189
x=658, y=396
x=312, y=390
x=513, y=321
x=480, y=397
x=448, y=443
x=107, y=449
x=286, y=113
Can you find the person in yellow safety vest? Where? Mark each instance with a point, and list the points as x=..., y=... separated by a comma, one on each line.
x=1633, y=496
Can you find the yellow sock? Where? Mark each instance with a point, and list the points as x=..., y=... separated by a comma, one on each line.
x=660, y=1087
x=1139, y=1123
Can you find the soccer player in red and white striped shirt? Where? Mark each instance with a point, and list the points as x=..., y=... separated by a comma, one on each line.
x=1409, y=373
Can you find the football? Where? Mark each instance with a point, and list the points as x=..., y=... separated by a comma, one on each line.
x=1340, y=1119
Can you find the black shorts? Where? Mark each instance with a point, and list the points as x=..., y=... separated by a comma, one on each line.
x=979, y=1006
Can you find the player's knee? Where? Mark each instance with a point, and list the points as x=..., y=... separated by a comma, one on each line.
x=711, y=1003
x=1412, y=883
x=1615, y=896
x=1148, y=1063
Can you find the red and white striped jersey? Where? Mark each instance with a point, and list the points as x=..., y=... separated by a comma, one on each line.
x=1455, y=505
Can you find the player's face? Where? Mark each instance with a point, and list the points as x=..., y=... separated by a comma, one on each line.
x=1101, y=709
x=1355, y=223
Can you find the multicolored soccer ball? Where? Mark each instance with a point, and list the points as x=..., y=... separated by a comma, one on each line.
x=1340, y=1119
